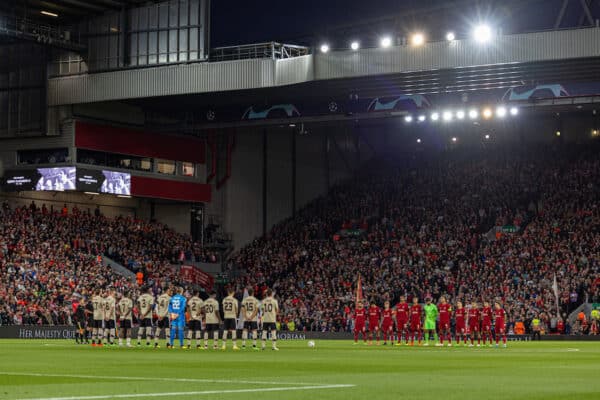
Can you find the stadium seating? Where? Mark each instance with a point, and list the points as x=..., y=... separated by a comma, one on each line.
x=430, y=231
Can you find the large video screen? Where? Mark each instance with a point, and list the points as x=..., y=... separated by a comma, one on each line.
x=56, y=179
x=104, y=182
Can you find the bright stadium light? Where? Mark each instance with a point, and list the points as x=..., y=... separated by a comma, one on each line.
x=408, y=118
x=487, y=113
x=557, y=133
x=447, y=116
x=49, y=14
x=386, y=42
x=324, y=48
x=450, y=36
x=418, y=39
x=418, y=140
x=422, y=118
x=435, y=116
x=487, y=136
x=482, y=33
x=460, y=114
x=355, y=45
x=514, y=111
x=501, y=112
x=473, y=114
x=454, y=139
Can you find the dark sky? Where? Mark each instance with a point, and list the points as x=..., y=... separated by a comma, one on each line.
x=243, y=22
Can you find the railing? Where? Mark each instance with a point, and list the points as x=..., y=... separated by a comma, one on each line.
x=272, y=50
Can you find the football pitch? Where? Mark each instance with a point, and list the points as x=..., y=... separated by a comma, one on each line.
x=60, y=370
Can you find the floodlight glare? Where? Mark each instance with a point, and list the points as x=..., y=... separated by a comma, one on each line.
x=418, y=140
x=435, y=116
x=557, y=133
x=450, y=36
x=514, y=111
x=487, y=113
x=408, y=118
x=482, y=33
x=418, y=39
x=355, y=45
x=447, y=116
x=501, y=112
x=386, y=42
x=324, y=48
x=422, y=118
x=473, y=114
x=487, y=136
x=454, y=139
x=460, y=114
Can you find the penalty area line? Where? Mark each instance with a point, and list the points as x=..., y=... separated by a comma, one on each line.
x=145, y=378
x=195, y=393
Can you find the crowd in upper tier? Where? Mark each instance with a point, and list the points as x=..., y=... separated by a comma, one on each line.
x=49, y=256
x=429, y=229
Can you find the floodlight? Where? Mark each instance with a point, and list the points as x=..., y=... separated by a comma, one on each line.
x=460, y=114
x=408, y=118
x=447, y=116
x=324, y=48
x=501, y=112
x=514, y=111
x=418, y=39
x=355, y=45
x=473, y=114
x=482, y=33
x=435, y=116
x=450, y=36
x=386, y=42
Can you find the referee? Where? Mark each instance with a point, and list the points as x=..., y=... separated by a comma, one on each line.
x=80, y=320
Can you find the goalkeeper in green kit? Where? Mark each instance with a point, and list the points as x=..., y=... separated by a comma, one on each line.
x=431, y=313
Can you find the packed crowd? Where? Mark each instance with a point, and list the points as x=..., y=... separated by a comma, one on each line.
x=48, y=257
x=430, y=230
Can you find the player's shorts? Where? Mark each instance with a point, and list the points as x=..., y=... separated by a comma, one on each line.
x=178, y=323
x=110, y=324
x=473, y=327
x=146, y=323
x=359, y=327
x=499, y=329
x=460, y=327
x=195, y=325
x=89, y=323
x=444, y=326
x=429, y=325
x=373, y=327
x=230, y=324
x=250, y=325
x=97, y=324
x=387, y=326
x=125, y=324
x=269, y=326
x=401, y=324
x=163, y=323
x=486, y=327
x=211, y=327
x=415, y=326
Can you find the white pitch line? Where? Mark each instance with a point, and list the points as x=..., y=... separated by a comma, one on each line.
x=197, y=393
x=145, y=378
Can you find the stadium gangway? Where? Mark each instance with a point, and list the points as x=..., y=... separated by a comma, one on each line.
x=272, y=50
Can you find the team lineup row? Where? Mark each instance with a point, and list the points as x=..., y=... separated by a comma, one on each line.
x=419, y=322
x=98, y=318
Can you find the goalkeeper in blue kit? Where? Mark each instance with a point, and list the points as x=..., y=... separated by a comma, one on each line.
x=177, y=316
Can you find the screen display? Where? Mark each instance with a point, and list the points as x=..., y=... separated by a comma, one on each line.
x=42, y=179
x=104, y=182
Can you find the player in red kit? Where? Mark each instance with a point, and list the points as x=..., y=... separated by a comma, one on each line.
x=473, y=319
x=374, y=317
x=499, y=324
x=387, y=323
x=416, y=312
x=486, y=322
x=360, y=319
x=444, y=310
x=459, y=324
x=402, y=310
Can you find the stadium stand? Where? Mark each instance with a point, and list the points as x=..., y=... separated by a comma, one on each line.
x=429, y=230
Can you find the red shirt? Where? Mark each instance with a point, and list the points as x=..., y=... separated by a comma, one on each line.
x=402, y=311
x=415, y=313
x=387, y=316
x=499, y=315
x=486, y=316
x=473, y=316
x=374, y=314
x=360, y=314
x=459, y=316
x=444, y=312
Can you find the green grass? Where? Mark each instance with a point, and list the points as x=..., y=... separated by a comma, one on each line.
x=538, y=370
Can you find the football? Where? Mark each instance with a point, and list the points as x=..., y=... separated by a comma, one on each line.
x=311, y=343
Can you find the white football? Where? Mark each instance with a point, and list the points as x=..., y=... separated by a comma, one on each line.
x=311, y=343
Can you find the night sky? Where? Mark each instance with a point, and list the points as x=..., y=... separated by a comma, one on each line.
x=308, y=21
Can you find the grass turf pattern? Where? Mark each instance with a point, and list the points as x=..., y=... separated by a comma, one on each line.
x=56, y=369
